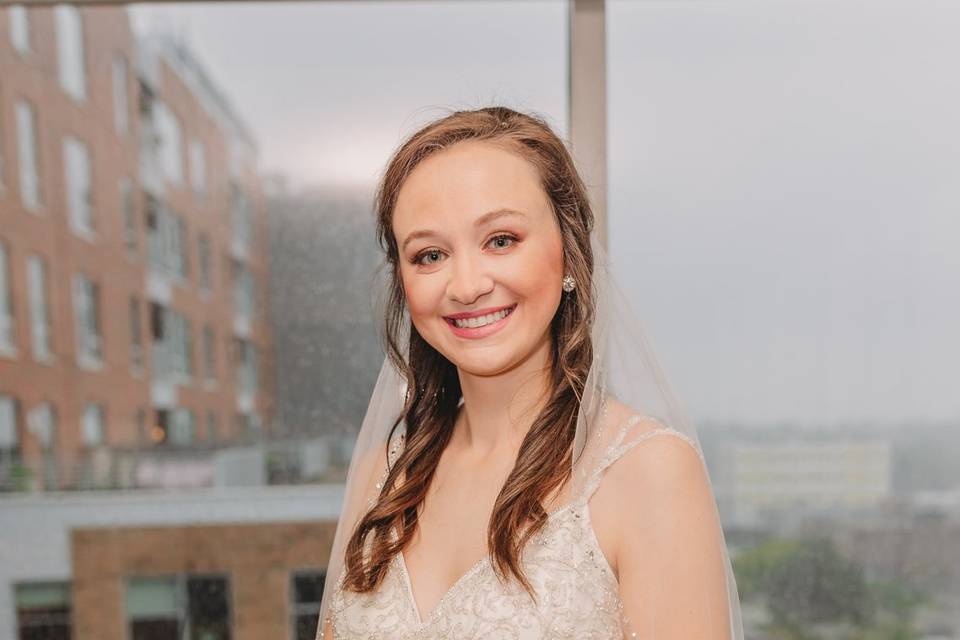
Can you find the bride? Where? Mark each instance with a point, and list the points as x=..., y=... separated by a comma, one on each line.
x=523, y=470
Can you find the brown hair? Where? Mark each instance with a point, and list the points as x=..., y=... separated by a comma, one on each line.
x=430, y=411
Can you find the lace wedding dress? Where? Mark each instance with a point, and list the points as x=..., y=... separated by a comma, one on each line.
x=576, y=587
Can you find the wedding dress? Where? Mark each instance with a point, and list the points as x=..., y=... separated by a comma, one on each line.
x=577, y=588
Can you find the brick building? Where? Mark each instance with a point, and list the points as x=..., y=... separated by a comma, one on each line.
x=132, y=254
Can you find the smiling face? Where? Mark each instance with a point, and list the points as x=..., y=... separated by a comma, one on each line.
x=476, y=233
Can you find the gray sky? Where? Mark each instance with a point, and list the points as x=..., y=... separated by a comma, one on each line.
x=784, y=192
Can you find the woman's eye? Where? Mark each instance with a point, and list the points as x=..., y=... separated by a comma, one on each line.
x=500, y=239
x=431, y=253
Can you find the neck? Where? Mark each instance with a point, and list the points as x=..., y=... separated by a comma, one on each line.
x=498, y=410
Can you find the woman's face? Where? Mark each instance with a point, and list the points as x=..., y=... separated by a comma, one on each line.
x=476, y=233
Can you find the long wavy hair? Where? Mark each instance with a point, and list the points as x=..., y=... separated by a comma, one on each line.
x=433, y=396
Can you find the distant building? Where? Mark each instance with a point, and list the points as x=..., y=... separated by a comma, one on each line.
x=132, y=254
x=756, y=479
x=214, y=564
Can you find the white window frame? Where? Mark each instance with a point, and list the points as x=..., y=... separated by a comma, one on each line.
x=170, y=135
x=8, y=337
x=19, y=28
x=86, y=303
x=71, y=63
x=128, y=209
x=198, y=169
x=9, y=438
x=93, y=424
x=39, y=308
x=78, y=181
x=31, y=194
x=121, y=105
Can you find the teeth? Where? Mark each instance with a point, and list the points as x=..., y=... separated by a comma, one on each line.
x=480, y=321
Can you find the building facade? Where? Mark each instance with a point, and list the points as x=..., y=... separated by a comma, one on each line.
x=132, y=254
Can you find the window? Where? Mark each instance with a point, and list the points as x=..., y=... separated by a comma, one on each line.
x=30, y=194
x=161, y=426
x=42, y=423
x=70, y=56
x=183, y=246
x=181, y=606
x=120, y=105
x=76, y=162
x=241, y=219
x=92, y=428
x=129, y=209
x=244, y=295
x=209, y=355
x=306, y=590
x=7, y=342
x=204, y=254
x=86, y=304
x=245, y=360
x=198, y=169
x=43, y=610
x=167, y=237
x=9, y=439
x=39, y=309
x=8, y=422
x=19, y=28
x=212, y=428
x=182, y=427
x=170, y=143
x=136, y=334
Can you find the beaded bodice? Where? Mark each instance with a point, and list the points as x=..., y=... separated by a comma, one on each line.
x=577, y=590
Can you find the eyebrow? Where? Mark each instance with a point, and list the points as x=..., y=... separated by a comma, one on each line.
x=486, y=218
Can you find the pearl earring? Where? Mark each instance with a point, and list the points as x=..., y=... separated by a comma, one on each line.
x=569, y=283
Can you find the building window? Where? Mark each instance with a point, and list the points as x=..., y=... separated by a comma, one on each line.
x=244, y=294
x=170, y=143
x=120, y=104
x=19, y=29
x=306, y=590
x=70, y=55
x=167, y=237
x=76, y=166
x=182, y=427
x=241, y=220
x=7, y=338
x=42, y=423
x=136, y=334
x=129, y=209
x=204, y=255
x=30, y=194
x=43, y=610
x=86, y=304
x=9, y=441
x=92, y=428
x=160, y=428
x=209, y=355
x=198, y=169
x=213, y=429
x=183, y=246
x=178, y=606
x=39, y=309
x=245, y=361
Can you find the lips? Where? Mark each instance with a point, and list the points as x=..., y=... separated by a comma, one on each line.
x=480, y=312
x=474, y=333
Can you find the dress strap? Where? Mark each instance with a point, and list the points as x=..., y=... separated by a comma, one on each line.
x=624, y=441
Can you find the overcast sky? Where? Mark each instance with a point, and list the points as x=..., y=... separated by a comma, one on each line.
x=784, y=192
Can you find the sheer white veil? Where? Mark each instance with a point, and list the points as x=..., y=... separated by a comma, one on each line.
x=624, y=368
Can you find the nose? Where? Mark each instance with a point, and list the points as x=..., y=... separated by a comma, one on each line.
x=468, y=281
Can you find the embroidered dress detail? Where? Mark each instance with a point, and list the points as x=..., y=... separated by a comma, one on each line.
x=577, y=590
